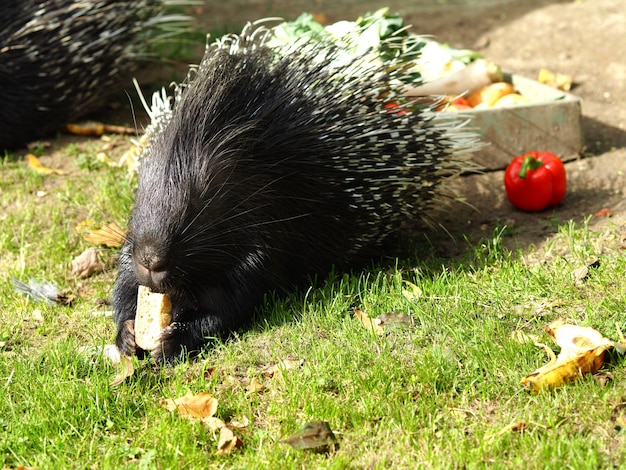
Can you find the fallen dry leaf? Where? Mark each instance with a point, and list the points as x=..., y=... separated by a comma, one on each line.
x=37, y=315
x=131, y=157
x=85, y=264
x=315, y=435
x=37, y=166
x=228, y=441
x=370, y=324
x=582, y=273
x=96, y=129
x=126, y=370
x=110, y=235
x=515, y=426
x=603, y=377
x=244, y=423
x=254, y=386
x=412, y=292
x=284, y=365
x=522, y=337
x=380, y=323
x=213, y=424
x=200, y=406
x=582, y=352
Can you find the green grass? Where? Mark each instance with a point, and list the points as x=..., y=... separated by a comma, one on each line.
x=434, y=394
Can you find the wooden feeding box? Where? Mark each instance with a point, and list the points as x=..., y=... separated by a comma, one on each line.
x=551, y=122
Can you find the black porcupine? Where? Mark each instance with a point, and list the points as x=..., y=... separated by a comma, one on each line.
x=59, y=59
x=274, y=166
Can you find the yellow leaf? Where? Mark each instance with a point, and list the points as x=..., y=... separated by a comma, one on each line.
x=413, y=292
x=200, y=406
x=370, y=324
x=36, y=165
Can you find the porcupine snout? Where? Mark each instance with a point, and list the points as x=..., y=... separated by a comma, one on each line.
x=151, y=266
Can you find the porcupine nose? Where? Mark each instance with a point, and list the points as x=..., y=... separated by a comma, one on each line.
x=150, y=267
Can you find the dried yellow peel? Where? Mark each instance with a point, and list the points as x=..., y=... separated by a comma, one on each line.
x=153, y=314
x=582, y=352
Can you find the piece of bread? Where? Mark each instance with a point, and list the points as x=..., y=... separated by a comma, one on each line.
x=153, y=314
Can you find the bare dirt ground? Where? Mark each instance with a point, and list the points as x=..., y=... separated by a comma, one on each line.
x=588, y=41
x=585, y=39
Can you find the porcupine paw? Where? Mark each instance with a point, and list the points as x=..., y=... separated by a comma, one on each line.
x=172, y=344
x=125, y=340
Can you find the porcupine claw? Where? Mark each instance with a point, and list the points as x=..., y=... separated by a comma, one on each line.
x=125, y=340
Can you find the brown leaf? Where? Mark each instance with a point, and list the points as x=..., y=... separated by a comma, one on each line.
x=314, y=435
x=127, y=369
x=603, y=377
x=110, y=235
x=64, y=299
x=96, y=129
x=582, y=273
x=284, y=365
x=227, y=442
x=254, y=386
x=200, y=406
x=37, y=166
x=85, y=264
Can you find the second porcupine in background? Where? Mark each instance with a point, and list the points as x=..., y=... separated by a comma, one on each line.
x=59, y=60
x=276, y=164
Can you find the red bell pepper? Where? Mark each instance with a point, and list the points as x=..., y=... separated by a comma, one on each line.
x=535, y=181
